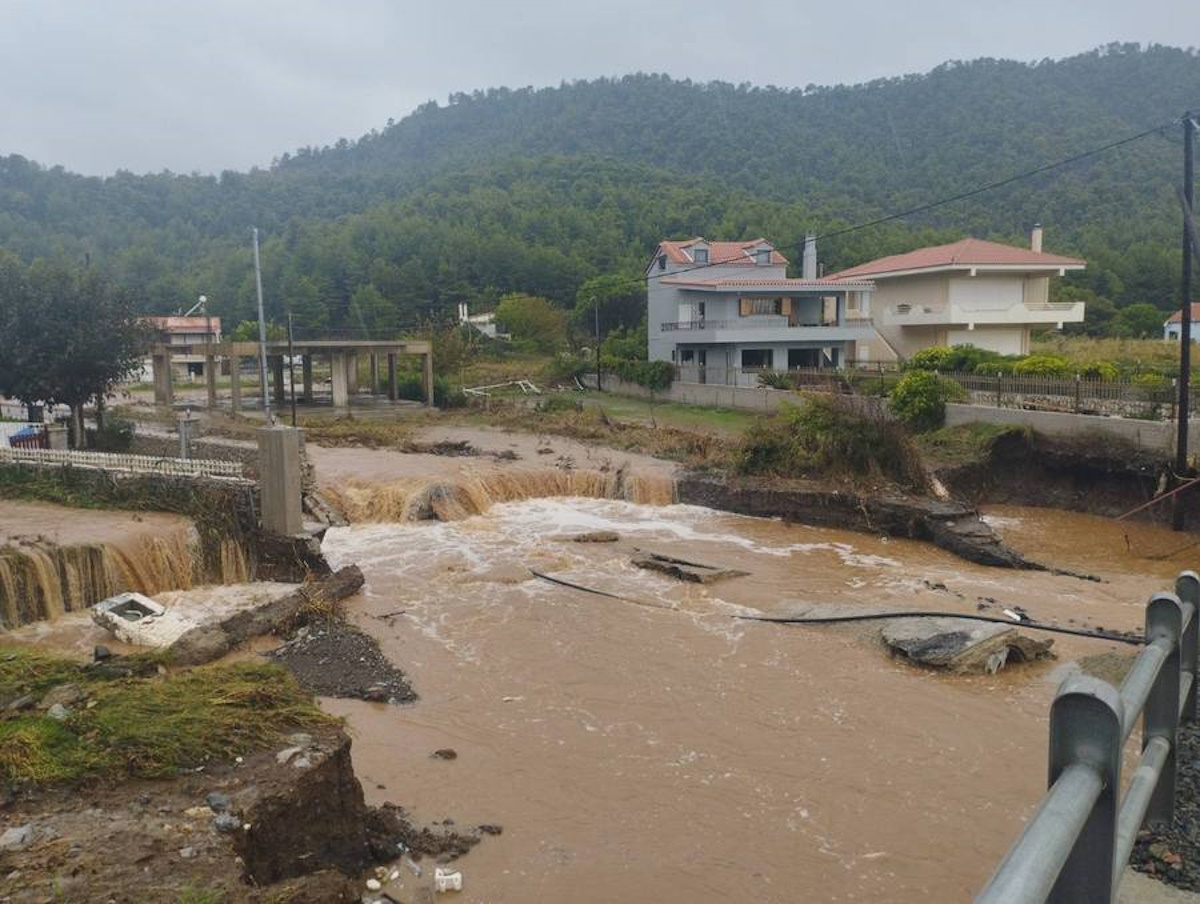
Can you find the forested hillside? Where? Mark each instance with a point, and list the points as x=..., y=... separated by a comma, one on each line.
x=539, y=190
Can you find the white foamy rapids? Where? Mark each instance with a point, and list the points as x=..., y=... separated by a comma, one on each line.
x=430, y=568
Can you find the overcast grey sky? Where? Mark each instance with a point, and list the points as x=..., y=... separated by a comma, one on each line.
x=101, y=85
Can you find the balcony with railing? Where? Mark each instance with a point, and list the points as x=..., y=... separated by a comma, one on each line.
x=765, y=323
x=964, y=315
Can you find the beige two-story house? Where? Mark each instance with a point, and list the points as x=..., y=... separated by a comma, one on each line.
x=970, y=292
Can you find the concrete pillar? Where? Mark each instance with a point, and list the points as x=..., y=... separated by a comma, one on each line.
x=235, y=383
x=393, y=389
x=279, y=480
x=341, y=388
x=352, y=373
x=277, y=379
x=161, y=367
x=374, y=373
x=306, y=369
x=427, y=377
x=210, y=378
x=188, y=425
x=56, y=437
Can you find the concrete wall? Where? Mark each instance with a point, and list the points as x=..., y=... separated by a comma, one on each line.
x=707, y=395
x=1156, y=435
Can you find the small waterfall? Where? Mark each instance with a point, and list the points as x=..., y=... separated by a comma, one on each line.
x=417, y=499
x=44, y=581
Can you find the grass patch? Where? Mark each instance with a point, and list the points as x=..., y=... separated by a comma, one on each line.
x=963, y=444
x=828, y=436
x=368, y=434
x=144, y=727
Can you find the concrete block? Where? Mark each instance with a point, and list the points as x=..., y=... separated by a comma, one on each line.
x=279, y=470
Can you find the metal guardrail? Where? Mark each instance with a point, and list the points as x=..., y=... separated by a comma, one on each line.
x=111, y=461
x=1076, y=846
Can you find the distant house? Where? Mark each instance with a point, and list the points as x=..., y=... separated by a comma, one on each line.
x=184, y=331
x=485, y=324
x=970, y=292
x=725, y=311
x=1173, y=325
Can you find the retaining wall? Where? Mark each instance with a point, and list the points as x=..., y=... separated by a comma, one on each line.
x=706, y=394
x=1157, y=436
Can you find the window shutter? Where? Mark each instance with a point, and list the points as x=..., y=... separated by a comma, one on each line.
x=785, y=307
x=744, y=307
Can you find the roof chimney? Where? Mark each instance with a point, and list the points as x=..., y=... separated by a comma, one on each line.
x=1035, y=238
x=808, y=260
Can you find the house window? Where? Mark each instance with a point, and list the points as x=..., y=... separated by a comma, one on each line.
x=756, y=359
x=700, y=255
x=757, y=307
x=762, y=256
x=662, y=262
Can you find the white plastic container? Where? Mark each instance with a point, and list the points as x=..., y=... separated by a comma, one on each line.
x=447, y=879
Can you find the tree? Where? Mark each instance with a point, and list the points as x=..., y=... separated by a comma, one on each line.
x=619, y=300
x=68, y=337
x=534, y=322
x=1139, y=321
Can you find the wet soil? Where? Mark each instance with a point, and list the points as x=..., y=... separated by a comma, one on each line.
x=332, y=658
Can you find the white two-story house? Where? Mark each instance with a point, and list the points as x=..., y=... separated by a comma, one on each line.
x=970, y=292
x=723, y=312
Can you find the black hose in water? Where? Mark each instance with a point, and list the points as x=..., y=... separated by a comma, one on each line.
x=970, y=616
x=878, y=616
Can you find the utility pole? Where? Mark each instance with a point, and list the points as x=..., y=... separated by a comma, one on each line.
x=1185, y=320
x=262, y=333
x=596, y=311
x=292, y=368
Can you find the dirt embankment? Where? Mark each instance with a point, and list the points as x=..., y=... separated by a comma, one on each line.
x=1098, y=477
x=285, y=824
x=953, y=526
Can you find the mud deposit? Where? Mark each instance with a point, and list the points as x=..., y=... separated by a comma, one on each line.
x=333, y=659
x=652, y=748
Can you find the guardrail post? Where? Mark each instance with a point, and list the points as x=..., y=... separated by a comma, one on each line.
x=1085, y=727
x=1164, y=618
x=1187, y=588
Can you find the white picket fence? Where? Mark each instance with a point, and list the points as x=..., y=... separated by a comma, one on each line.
x=114, y=461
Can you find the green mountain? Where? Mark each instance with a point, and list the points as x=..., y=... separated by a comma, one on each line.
x=538, y=190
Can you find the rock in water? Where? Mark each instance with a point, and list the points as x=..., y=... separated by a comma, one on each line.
x=597, y=536
x=962, y=645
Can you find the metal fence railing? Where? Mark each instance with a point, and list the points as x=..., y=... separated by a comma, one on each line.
x=1147, y=397
x=1076, y=846
x=114, y=461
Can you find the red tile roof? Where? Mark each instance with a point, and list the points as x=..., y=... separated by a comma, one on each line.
x=719, y=252
x=968, y=252
x=1178, y=315
x=742, y=282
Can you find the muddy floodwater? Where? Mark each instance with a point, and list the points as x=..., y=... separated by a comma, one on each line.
x=659, y=749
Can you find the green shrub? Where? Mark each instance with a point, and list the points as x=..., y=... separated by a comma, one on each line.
x=776, y=379
x=652, y=375
x=408, y=386
x=565, y=368
x=829, y=436
x=116, y=435
x=1151, y=380
x=919, y=399
x=1099, y=370
x=999, y=365
x=954, y=359
x=1043, y=366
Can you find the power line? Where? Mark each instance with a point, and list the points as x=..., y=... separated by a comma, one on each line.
x=1028, y=174
x=1002, y=182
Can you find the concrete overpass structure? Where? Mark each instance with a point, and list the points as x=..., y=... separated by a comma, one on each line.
x=343, y=357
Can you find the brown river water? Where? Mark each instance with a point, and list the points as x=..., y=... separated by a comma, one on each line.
x=661, y=750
